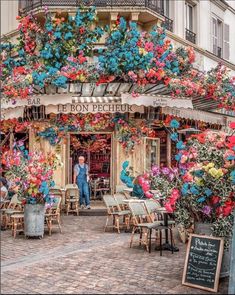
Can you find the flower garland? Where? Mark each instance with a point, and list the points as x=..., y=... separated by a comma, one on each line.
x=55, y=51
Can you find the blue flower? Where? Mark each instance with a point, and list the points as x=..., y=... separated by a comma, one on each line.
x=178, y=157
x=68, y=35
x=60, y=82
x=174, y=124
x=194, y=190
x=180, y=145
x=230, y=158
x=199, y=173
x=125, y=165
x=201, y=199
x=232, y=176
x=58, y=35
x=208, y=192
x=174, y=136
x=184, y=189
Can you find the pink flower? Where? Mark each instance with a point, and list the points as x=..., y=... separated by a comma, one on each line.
x=148, y=46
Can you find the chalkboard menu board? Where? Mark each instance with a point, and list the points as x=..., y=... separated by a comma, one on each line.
x=203, y=262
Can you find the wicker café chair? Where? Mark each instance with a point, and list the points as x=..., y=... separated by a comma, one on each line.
x=17, y=223
x=53, y=215
x=71, y=199
x=143, y=221
x=114, y=212
x=14, y=207
x=152, y=208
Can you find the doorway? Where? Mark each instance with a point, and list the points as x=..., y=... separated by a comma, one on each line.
x=97, y=150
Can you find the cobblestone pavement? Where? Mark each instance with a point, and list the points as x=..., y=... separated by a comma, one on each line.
x=85, y=260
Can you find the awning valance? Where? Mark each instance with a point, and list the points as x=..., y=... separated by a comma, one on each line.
x=157, y=101
x=195, y=115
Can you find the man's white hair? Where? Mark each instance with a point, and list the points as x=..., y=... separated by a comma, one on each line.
x=81, y=157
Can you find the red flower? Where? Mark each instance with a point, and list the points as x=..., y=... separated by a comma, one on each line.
x=215, y=200
x=232, y=125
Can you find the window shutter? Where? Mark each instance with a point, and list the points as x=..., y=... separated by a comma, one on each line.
x=226, y=41
x=214, y=36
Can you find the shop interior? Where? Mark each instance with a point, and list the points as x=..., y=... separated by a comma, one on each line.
x=96, y=148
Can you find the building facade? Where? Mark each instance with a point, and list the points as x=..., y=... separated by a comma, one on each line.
x=207, y=26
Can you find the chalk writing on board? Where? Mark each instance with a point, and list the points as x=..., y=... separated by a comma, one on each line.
x=201, y=265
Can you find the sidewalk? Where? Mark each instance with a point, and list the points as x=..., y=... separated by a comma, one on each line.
x=85, y=260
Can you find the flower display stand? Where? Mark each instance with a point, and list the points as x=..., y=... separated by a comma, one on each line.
x=205, y=229
x=34, y=216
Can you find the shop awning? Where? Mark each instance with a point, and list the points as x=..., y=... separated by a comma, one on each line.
x=156, y=101
x=197, y=115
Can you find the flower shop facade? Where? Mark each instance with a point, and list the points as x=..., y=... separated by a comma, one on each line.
x=107, y=130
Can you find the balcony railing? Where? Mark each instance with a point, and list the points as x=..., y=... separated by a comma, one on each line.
x=190, y=36
x=168, y=24
x=28, y=5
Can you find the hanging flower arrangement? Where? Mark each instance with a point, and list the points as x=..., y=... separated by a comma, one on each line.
x=54, y=50
x=217, y=85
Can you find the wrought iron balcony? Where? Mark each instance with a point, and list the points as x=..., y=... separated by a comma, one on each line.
x=190, y=36
x=28, y=5
x=168, y=23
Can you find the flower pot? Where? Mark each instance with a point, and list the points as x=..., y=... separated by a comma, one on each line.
x=34, y=216
x=205, y=229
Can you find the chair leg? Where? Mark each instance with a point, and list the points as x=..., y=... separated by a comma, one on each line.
x=12, y=229
x=150, y=239
x=171, y=235
x=118, y=224
x=58, y=221
x=132, y=236
x=160, y=232
x=106, y=224
x=141, y=232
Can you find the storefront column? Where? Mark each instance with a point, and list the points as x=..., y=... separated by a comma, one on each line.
x=168, y=150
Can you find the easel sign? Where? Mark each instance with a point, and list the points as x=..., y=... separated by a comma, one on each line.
x=203, y=262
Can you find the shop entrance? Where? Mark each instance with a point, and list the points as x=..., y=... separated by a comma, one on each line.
x=97, y=150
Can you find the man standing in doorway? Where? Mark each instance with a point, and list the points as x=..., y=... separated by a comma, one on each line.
x=81, y=178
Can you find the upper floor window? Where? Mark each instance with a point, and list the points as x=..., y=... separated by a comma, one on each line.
x=220, y=38
x=190, y=20
x=189, y=16
x=164, y=7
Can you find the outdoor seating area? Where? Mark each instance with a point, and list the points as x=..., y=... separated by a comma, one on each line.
x=144, y=216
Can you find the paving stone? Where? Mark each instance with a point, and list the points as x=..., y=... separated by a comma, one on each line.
x=85, y=260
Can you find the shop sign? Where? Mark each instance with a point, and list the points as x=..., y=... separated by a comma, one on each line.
x=157, y=101
x=203, y=262
x=94, y=108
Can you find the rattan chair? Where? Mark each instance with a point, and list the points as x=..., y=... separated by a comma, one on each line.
x=114, y=212
x=17, y=221
x=152, y=208
x=71, y=199
x=14, y=207
x=143, y=221
x=53, y=215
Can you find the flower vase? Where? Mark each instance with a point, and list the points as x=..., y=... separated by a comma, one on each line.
x=206, y=229
x=34, y=216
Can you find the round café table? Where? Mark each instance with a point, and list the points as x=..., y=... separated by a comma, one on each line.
x=166, y=246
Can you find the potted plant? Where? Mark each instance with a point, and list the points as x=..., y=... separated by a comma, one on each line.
x=32, y=174
x=207, y=196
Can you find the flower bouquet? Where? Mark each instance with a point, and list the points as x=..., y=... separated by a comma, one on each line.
x=32, y=174
x=207, y=191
